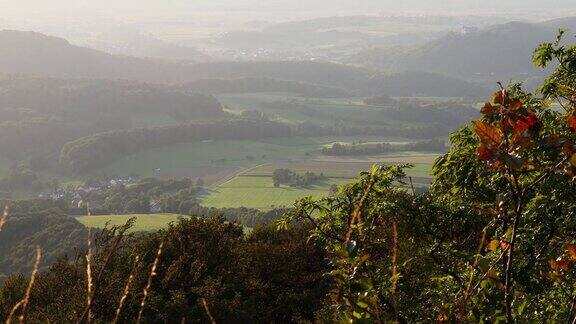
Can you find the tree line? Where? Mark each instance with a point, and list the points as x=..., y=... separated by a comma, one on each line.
x=93, y=152
x=338, y=149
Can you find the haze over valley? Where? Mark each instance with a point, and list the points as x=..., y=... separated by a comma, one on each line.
x=287, y=161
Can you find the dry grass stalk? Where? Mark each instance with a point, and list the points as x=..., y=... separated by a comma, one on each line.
x=126, y=290
x=356, y=216
x=149, y=283
x=90, y=291
x=207, y=309
x=395, y=268
x=24, y=302
x=4, y=216
x=100, y=274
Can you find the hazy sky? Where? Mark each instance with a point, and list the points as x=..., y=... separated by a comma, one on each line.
x=78, y=20
x=274, y=7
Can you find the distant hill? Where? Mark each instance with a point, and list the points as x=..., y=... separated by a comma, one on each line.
x=126, y=42
x=423, y=84
x=496, y=52
x=38, y=54
x=264, y=85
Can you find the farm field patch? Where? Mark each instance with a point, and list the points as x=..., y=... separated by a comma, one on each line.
x=144, y=222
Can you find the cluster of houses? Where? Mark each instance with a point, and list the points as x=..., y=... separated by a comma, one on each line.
x=74, y=196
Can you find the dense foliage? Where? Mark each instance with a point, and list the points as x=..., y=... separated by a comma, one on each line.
x=37, y=223
x=206, y=266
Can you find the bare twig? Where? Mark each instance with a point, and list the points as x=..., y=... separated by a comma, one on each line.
x=207, y=310
x=412, y=186
x=126, y=289
x=24, y=302
x=149, y=284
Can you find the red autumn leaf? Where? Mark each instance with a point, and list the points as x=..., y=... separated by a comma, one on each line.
x=516, y=104
x=520, y=126
x=504, y=245
x=488, y=108
x=572, y=122
x=568, y=149
x=489, y=135
x=485, y=153
x=560, y=264
x=553, y=139
x=499, y=97
x=532, y=120
x=571, y=248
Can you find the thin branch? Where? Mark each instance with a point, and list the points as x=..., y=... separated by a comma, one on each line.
x=317, y=227
x=207, y=310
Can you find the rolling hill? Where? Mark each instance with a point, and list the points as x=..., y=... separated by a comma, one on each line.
x=37, y=54
x=496, y=52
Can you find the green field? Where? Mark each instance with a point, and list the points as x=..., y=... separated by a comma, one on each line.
x=201, y=158
x=151, y=222
x=259, y=192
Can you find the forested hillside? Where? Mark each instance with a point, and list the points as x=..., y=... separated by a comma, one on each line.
x=96, y=151
x=501, y=51
x=40, y=115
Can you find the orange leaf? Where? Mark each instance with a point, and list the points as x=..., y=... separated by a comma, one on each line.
x=493, y=245
x=489, y=135
x=520, y=126
x=572, y=122
x=571, y=250
x=516, y=104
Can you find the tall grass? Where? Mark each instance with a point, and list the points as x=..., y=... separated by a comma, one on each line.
x=149, y=283
x=4, y=216
x=23, y=304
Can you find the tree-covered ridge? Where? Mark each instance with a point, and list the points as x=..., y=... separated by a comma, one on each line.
x=95, y=151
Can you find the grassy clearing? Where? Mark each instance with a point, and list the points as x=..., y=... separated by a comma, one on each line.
x=222, y=158
x=144, y=223
x=259, y=192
